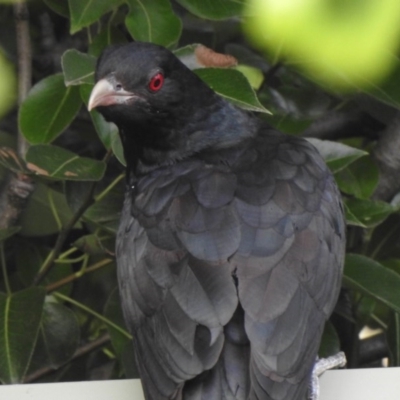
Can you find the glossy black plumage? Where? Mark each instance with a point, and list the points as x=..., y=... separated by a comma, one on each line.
x=230, y=247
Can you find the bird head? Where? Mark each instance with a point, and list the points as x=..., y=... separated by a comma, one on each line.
x=163, y=110
x=142, y=83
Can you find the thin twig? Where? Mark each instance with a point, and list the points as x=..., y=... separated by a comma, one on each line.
x=83, y=350
x=77, y=275
x=62, y=236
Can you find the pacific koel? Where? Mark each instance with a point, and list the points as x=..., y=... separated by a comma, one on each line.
x=231, y=241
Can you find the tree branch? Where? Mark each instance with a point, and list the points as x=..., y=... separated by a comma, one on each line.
x=85, y=349
x=18, y=187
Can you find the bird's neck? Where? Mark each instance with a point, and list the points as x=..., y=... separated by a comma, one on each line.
x=216, y=125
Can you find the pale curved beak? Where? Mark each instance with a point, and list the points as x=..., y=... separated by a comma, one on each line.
x=106, y=93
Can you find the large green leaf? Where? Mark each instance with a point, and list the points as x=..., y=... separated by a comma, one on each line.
x=57, y=163
x=359, y=178
x=8, y=232
x=85, y=12
x=38, y=219
x=336, y=155
x=49, y=108
x=60, y=7
x=30, y=258
x=78, y=68
x=369, y=212
x=372, y=278
x=20, y=315
x=232, y=85
x=153, y=21
x=58, y=336
x=107, y=131
x=213, y=9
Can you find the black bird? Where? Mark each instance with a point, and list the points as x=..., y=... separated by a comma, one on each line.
x=231, y=241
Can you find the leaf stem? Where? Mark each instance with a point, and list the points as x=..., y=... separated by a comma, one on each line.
x=93, y=313
x=70, y=278
x=104, y=193
x=4, y=269
x=53, y=208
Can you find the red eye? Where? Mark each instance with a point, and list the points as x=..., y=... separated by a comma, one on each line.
x=156, y=82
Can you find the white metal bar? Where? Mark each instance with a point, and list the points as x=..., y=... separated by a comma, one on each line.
x=355, y=384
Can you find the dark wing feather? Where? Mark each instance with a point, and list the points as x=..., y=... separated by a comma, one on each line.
x=289, y=289
x=259, y=224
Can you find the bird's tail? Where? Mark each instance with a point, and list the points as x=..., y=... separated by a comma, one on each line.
x=229, y=379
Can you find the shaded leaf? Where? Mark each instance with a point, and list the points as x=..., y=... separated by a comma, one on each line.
x=60, y=7
x=107, y=212
x=369, y=212
x=49, y=108
x=29, y=259
x=336, y=155
x=108, y=36
x=330, y=344
x=216, y=9
x=85, y=12
x=90, y=244
x=373, y=279
x=78, y=68
x=153, y=21
x=8, y=232
x=232, y=85
x=107, y=131
x=37, y=219
x=20, y=315
x=57, y=163
x=59, y=334
x=351, y=219
x=121, y=342
x=359, y=178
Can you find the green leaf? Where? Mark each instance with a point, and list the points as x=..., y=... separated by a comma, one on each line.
x=49, y=108
x=351, y=219
x=373, y=279
x=60, y=7
x=8, y=232
x=85, y=12
x=336, y=155
x=215, y=9
x=108, y=36
x=359, y=179
x=30, y=258
x=90, y=244
x=57, y=163
x=122, y=343
x=78, y=67
x=107, y=212
x=38, y=219
x=369, y=212
x=59, y=334
x=20, y=315
x=232, y=85
x=107, y=131
x=153, y=21
x=330, y=344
